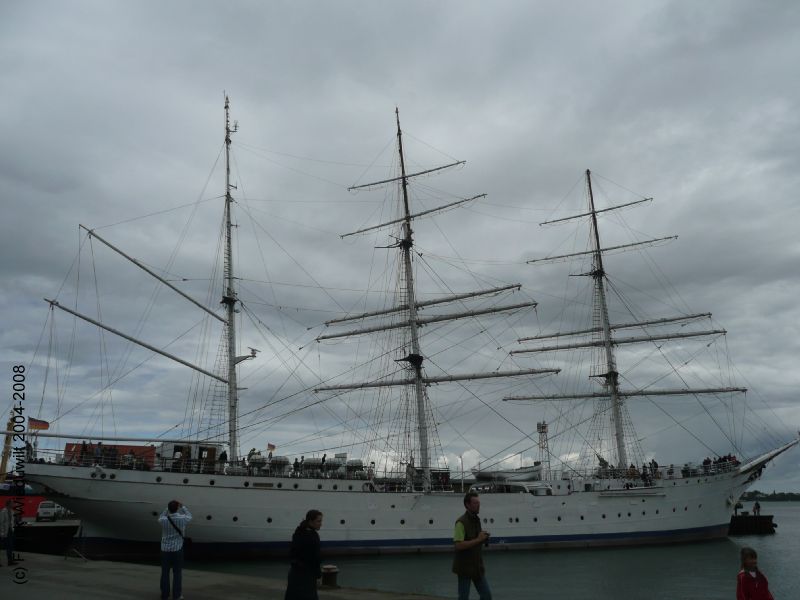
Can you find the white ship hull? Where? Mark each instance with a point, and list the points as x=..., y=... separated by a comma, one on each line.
x=257, y=515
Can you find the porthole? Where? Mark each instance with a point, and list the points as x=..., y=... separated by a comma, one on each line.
x=604, y=516
x=247, y=484
x=341, y=522
x=619, y=515
x=558, y=486
x=581, y=517
x=235, y=519
x=350, y=487
x=280, y=485
x=510, y=520
x=158, y=479
x=644, y=513
x=485, y=520
x=295, y=486
x=629, y=514
x=155, y=514
x=319, y=486
x=102, y=475
x=392, y=505
x=212, y=482
x=269, y=519
x=559, y=518
x=699, y=506
x=430, y=521
x=112, y=476
x=673, y=509
x=372, y=522
x=402, y=521
x=208, y=517
x=491, y=520
x=535, y=519
x=642, y=499
x=656, y=511
x=685, y=508
x=516, y=519
x=336, y=487
x=185, y=480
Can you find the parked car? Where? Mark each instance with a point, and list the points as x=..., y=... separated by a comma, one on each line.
x=47, y=510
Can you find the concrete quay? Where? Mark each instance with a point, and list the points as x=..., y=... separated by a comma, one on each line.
x=48, y=577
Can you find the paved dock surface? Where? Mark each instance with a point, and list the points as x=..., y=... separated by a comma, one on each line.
x=54, y=577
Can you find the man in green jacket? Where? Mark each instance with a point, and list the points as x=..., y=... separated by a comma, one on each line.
x=468, y=539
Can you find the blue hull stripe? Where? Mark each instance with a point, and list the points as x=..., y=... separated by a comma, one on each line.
x=665, y=535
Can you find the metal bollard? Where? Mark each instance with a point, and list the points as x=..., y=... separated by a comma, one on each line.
x=329, y=575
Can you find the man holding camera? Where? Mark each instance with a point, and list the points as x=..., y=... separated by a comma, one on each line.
x=469, y=539
x=173, y=523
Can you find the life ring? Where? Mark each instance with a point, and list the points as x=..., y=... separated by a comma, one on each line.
x=368, y=486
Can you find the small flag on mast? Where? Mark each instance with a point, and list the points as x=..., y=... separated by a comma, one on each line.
x=37, y=424
x=271, y=447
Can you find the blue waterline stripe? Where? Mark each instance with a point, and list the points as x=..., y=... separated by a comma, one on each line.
x=396, y=543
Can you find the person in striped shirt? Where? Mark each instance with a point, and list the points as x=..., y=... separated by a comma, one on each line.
x=173, y=523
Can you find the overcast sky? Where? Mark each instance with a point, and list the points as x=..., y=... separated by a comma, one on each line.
x=112, y=117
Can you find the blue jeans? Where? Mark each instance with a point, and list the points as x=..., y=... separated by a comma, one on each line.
x=484, y=593
x=172, y=560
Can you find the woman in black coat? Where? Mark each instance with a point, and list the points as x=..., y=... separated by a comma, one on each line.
x=304, y=553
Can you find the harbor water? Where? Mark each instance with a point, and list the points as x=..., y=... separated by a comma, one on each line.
x=700, y=571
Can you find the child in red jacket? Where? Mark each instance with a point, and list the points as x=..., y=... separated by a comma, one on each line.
x=751, y=583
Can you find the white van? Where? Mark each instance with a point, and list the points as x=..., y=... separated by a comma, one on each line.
x=47, y=510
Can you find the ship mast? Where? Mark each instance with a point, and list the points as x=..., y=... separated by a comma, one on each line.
x=607, y=342
x=611, y=375
x=415, y=358
x=229, y=300
x=229, y=295
x=410, y=306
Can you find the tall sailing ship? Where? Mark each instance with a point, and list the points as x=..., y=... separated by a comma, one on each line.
x=403, y=498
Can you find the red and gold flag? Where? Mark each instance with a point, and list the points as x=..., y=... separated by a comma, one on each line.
x=37, y=424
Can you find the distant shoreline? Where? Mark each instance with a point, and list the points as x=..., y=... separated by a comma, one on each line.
x=773, y=497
